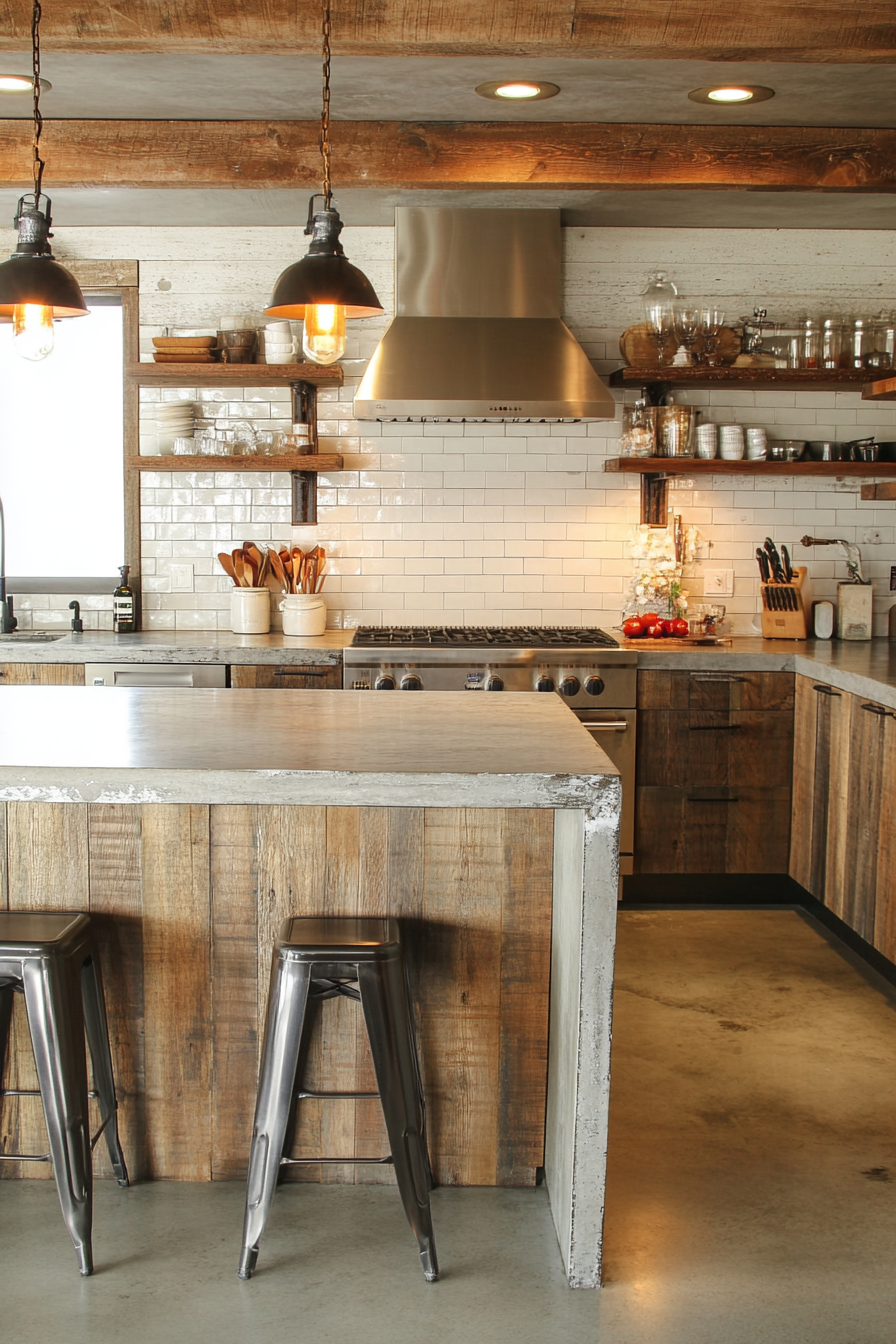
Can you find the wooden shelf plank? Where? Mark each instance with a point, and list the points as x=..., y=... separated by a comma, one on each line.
x=695, y=466
x=234, y=375
x=882, y=389
x=801, y=379
x=205, y=462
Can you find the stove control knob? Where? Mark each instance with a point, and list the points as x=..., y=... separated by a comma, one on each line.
x=594, y=684
x=411, y=682
x=569, y=686
x=544, y=682
x=384, y=682
x=494, y=683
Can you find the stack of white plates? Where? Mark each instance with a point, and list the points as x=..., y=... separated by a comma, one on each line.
x=277, y=344
x=173, y=419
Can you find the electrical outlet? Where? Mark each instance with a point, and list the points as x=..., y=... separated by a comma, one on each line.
x=870, y=537
x=181, y=577
x=718, y=582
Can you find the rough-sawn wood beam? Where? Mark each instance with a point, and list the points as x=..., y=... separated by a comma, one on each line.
x=574, y=156
x=714, y=30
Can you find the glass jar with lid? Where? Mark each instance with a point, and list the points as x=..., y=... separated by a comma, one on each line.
x=638, y=438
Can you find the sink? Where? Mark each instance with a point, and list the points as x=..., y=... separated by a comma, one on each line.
x=31, y=637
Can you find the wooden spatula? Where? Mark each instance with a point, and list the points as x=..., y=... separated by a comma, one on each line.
x=226, y=563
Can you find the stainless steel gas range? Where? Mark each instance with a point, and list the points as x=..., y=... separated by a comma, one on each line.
x=595, y=677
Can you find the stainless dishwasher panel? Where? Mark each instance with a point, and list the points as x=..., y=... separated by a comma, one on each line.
x=614, y=732
x=155, y=674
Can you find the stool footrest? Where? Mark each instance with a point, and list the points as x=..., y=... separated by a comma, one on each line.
x=27, y=1092
x=24, y=1157
x=337, y=1096
x=339, y=1161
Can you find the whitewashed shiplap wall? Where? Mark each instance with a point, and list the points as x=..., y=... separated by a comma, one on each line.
x=505, y=523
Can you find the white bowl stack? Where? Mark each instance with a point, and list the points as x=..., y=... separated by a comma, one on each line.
x=277, y=343
x=173, y=420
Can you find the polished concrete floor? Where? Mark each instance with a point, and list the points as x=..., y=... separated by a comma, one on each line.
x=752, y=1191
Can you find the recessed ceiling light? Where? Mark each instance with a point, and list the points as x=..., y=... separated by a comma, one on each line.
x=731, y=94
x=518, y=90
x=21, y=84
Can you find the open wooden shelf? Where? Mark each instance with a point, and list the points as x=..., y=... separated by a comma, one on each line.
x=234, y=375
x=251, y=462
x=698, y=466
x=805, y=380
x=882, y=389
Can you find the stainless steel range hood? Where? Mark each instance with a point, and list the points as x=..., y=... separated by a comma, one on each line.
x=477, y=333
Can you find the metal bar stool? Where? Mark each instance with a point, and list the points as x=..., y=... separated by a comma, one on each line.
x=322, y=958
x=50, y=958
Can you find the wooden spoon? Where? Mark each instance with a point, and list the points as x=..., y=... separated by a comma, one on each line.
x=226, y=563
x=276, y=567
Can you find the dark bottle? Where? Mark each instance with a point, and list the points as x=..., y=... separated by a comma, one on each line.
x=124, y=621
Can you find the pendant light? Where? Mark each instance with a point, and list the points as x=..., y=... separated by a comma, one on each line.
x=324, y=288
x=34, y=288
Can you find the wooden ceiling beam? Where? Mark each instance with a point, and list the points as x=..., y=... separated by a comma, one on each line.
x=405, y=155
x=835, y=31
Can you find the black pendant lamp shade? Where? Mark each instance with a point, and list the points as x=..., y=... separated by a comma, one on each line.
x=32, y=275
x=324, y=275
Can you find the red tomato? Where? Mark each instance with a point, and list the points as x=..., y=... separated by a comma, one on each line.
x=655, y=631
x=681, y=627
x=668, y=628
x=633, y=628
x=649, y=618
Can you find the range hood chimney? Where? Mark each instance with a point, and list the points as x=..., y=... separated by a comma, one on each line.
x=477, y=332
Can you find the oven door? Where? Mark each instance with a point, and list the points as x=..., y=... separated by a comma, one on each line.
x=614, y=732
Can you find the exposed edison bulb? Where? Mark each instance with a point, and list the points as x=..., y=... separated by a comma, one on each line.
x=32, y=330
x=323, y=340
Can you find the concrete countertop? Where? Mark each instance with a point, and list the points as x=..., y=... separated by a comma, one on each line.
x=332, y=748
x=866, y=668
x=157, y=646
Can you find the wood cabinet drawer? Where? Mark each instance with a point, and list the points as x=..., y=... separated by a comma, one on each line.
x=715, y=690
x=41, y=674
x=712, y=747
x=291, y=677
x=704, y=830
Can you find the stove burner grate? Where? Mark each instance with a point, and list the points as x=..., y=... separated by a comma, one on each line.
x=432, y=636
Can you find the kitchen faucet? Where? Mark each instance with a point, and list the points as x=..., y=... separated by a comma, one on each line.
x=8, y=621
x=853, y=555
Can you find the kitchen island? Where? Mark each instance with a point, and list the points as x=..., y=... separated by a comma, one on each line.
x=192, y=822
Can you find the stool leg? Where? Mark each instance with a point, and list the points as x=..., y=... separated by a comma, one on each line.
x=6, y=1001
x=287, y=1000
x=101, y=1058
x=387, y=1014
x=56, y=1023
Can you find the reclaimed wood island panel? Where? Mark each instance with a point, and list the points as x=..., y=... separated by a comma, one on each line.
x=191, y=823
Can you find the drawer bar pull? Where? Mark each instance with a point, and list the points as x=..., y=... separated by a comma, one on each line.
x=826, y=690
x=879, y=711
x=714, y=727
x=617, y=727
x=300, y=671
x=713, y=800
x=722, y=677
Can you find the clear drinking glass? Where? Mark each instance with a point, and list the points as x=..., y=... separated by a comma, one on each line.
x=686, y=325
x=712, y=320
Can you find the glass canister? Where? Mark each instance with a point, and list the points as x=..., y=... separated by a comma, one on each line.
x=676, y=430
x=638, y=438
x=877, y=347
x=810, y=343
x=861, y=340
x=658, y=300
x=834, y=347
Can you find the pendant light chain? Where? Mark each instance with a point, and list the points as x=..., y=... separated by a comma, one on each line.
x=38, y=164
x=325, y=108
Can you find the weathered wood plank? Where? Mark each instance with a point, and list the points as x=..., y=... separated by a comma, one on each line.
x=707, y=30
x=291, y=677
x=41, y=674
x=178, y=1017
x=47, y=870
x=234, y=972
x=468, y=155
x=115, y=839
x=464, y=862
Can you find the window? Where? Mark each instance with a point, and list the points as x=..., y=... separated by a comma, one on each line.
x=61, y=455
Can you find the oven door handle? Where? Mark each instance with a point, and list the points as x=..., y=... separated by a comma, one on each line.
x=616, y=726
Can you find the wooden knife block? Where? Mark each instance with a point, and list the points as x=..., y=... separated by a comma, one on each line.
x=786, y=624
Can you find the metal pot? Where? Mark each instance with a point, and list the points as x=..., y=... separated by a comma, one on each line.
x=824, y=450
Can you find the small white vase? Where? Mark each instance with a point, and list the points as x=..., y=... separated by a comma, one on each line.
x=304, y=614
x=250, y=611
